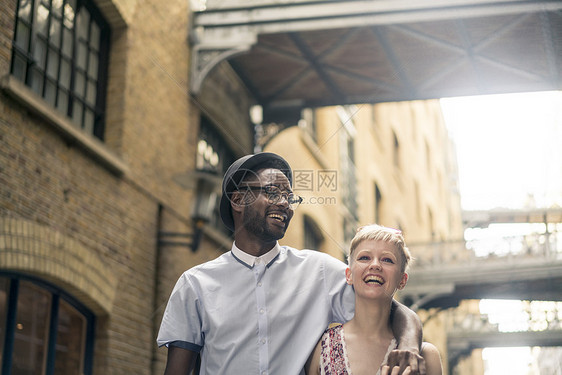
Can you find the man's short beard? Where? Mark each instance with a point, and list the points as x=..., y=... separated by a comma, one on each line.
x=256, y=224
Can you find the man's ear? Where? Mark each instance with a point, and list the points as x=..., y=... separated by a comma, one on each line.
x=236, y=201
x=403, y=282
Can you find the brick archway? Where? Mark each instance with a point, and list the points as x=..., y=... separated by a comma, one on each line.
x=36, y=249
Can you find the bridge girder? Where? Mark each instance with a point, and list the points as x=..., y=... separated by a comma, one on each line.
x=523, y=278
x=296, y=53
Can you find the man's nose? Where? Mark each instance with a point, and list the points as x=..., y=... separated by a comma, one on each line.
x=283, y=199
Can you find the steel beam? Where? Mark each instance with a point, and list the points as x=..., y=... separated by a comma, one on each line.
x=226, y=28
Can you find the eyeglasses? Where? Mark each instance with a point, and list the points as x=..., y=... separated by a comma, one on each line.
x=274, y=195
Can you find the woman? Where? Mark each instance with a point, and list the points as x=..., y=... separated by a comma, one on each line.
x=378, y=261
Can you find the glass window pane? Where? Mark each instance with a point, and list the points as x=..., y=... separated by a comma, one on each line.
x=54, y=32
x=56, y=7
x=69, y=14
x=91, y=93
x=77, y=110
x=83, y=23
x=32, y=322
x=89, y=121
x=67, y=43
x=42, y=20
x=71, y=334
x=95, y=37
x=4, y=285
x=25, y=10
x=53, y=64
x=50, y=92
x=93, y=65
x=81, y=55
x=80, y=84
x=39, y=53
x=19, y=67
x=62, y=102
x=22, y=36
x=36, y=81
x=64, y=78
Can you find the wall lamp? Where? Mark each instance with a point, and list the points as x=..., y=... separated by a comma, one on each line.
x=203, y=208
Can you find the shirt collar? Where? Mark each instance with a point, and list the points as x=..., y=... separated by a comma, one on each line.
x=251, y=260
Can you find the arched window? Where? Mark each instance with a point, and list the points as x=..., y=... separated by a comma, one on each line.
x=214, y=156
x=43, y=330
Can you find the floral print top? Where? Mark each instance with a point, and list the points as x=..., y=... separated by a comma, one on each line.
x=333, y=357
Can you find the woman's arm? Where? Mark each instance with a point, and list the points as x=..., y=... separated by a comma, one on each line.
x=407, y=329
x=312, y=365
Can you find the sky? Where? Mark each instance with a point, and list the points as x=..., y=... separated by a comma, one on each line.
x=508, y=148
x=509, y=151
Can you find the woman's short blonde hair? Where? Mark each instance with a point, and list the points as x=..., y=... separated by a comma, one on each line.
x=377, y=232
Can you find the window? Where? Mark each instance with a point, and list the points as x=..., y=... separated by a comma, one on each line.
x=378, y=203
x=428, y=157
x=214, y=157
x=347, y=168
x=308, y=122
x=417, y=197
x=396, y=153
x=431, y=227
x=60, y=51
x=312, y=234
x=42, y=329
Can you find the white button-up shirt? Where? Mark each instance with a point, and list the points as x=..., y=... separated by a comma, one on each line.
x=263, y=315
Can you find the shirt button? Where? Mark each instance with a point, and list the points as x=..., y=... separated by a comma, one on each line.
x=262, y=311
x=264, y=373
x=263, y=341
x=259, y=284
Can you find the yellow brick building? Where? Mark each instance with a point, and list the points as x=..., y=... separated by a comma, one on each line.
x=391, y=164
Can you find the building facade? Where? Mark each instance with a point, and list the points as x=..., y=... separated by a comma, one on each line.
x=391, y=164
x=103, y=157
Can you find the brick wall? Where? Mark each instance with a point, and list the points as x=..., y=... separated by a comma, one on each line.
x=67, y=218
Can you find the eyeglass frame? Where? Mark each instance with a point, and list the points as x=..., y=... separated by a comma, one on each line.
x=275, y=198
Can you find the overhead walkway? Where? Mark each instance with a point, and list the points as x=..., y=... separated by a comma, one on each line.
x=476, y=332
x=448, y=272
x=293, y=53
x=482, y=219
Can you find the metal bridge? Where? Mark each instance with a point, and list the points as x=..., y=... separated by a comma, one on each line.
x=529, y=267
x=292, y=54
x=524, y=267
x=476, y=332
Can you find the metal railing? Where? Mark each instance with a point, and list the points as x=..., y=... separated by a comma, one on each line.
x=505, y=249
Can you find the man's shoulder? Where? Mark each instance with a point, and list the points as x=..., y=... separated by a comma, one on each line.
x=310, y=255
x=219, y=263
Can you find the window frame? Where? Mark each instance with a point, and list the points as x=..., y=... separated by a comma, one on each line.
x=26, y=57
x=209, y=133
x=57, y=295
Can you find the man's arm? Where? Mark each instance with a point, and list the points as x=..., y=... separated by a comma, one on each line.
x=407, y=329
x=180, y=361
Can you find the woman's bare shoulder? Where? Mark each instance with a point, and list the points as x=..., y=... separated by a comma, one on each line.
x=432, y=359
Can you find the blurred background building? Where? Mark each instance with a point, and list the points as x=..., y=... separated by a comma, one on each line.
x=119, y=119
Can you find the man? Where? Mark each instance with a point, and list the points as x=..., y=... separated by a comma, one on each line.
x=261, y=307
